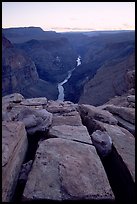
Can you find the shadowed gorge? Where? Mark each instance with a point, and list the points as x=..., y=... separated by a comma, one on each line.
x=68, y=116
x=106, y=59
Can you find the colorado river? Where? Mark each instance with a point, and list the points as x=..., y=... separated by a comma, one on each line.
x=60, y=85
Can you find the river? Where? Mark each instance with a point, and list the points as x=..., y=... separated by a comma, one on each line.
x=60, y=85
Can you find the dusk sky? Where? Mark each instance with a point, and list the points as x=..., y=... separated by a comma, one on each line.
x=68, y=16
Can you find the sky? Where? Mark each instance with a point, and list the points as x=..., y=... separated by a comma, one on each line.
x=70, y=16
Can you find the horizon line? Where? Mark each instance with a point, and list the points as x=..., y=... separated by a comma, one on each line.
x=71, y=29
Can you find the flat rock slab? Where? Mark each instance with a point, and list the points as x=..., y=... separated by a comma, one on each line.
x=96, y=113
x=125, y=124
x=14, y=147
x=76, y=133
x=60, y=107
x=67, y=170
x=124, y=142
x=34, y=101
x=127, y=114
x=72, y=118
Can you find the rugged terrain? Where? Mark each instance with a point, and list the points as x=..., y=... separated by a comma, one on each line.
x=68, y=151
x=19, y=74
x=101, y=54
x=54, y=54
x=53, y=150
x=112, y=79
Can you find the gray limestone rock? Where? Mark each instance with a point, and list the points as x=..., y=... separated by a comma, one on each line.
x=97, y=113
x=61, y=107
x=64, y=170
x=73, y=118
x=127, y=114
x=34, y=101
x=14, y=147
x=35, y=120
x=124, y=142
x=102, y=141
x=76, y=133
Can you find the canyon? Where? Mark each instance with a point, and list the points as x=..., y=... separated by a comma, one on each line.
x=54, y=55
x=68, y=116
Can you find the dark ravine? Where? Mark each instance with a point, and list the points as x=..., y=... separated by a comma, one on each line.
x=61, y=95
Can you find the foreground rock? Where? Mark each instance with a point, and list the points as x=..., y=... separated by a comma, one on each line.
x=124, y=142
x=102, y=142
x=67, y=170
x=71, y=118
x=34, y=101
x=96, y=113
x=76, y=133
x=14, y=147
x=125, y=124
x=127, y=114
x=61, y=107
x=35, y=120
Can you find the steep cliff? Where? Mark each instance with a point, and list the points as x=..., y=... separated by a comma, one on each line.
x=112, y=79
x=97, y=52
x=19, y=73
x=53, y=57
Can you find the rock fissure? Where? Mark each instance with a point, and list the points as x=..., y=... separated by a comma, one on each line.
x=33, y=141
x=72, y=154
x=117, y=171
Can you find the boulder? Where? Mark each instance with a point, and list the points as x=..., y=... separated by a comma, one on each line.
x=35, y=120
x=76, y=133
x=131, y=98
x=14, y=147
x=102, y=141
x=127, y=114
x=67, y=170
x=96, y=113
x=15, y=98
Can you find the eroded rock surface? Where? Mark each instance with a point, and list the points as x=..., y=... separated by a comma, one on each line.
x=35, y=120
x=102, y=142
x=127, y=114
x=64, y=170
x=76, y=133
x=96, y=113
x=66, y=165
x=14, y=147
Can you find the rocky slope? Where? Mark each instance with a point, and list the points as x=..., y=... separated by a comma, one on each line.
x=112, y=79
x=75, y=152
x=53, y=57
x=51, y=52
x=98, y=52
x=19, y=74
